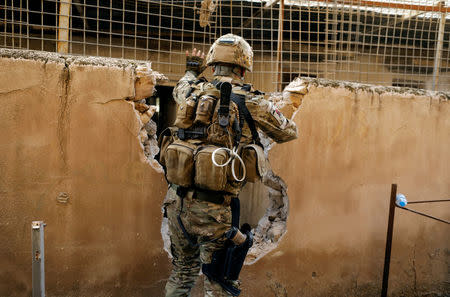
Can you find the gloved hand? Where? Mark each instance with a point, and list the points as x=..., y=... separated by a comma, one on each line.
x=195, y=61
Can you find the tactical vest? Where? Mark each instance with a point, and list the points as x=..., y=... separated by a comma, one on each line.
x=204, y=148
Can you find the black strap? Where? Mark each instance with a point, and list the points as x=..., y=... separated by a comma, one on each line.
x=246, y=87
x=191, y=82
x=237, y=127
x=209, y=196
x=235, y=206
x=224, y=108
x=245, y=113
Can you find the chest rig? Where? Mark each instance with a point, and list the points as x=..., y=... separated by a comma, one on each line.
x=204, y=148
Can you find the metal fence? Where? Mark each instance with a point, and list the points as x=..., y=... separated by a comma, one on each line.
x=387, y=42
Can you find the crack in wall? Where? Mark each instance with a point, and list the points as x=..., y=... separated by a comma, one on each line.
x=144, y=78
x=64, y=115
x=18, y=90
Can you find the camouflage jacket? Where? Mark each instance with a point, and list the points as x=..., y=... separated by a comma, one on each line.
x=266, y=116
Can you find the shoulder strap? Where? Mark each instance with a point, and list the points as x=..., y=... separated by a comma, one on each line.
x=194, y=85
x=235, y=211
x=244, y=113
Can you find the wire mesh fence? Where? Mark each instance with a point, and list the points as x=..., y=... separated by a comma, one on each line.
x=396, y=42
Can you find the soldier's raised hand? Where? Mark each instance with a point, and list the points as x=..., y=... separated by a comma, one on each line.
x=195, y=61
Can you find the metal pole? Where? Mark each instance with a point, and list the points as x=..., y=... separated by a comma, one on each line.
x=63, y=26
x=37, y=253
x=280, y=45
x=440, y=43
x=387, y=255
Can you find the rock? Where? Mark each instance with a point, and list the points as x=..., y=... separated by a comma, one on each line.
x=141, y=107
x=276, y=231
x=144, y=83
x=151, y=111
x=296, y=99
x=145, y=118
x=295, y=92
x=143, y=135
x=154, y=149
x=273, y=181
x=272, y=215
x=297, y=89
x=147, y=151
x=263, y=225
x=151, y=128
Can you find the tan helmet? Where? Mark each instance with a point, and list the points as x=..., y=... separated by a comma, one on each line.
x=231, y=49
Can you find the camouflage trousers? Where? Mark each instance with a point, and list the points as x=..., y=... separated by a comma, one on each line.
x=206, y=223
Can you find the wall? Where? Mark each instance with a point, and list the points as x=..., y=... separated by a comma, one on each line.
x=67, y=125
x=354, y=142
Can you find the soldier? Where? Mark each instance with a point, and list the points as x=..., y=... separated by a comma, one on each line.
x=217, y=120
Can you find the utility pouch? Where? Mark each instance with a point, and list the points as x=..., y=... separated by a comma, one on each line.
x=219, y=135
x=256, y=164
x=179, y=162
x=205, y=110
x=164, y=140
x=185, y=112
x=207, y=175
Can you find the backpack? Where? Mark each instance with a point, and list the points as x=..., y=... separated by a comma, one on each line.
x=204, y=148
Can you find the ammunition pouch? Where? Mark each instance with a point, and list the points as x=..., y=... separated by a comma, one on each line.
x=166, y=138
x=208, y=176
x=256, y=163
x=211, y=117
x=189, y=164
x=179, y=162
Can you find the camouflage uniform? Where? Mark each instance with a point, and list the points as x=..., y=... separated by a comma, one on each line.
x=206, y=222
x=266, y=116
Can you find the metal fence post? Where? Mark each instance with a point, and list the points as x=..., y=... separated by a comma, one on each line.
x=439, y=47
x=37, y=250
x=390, y=229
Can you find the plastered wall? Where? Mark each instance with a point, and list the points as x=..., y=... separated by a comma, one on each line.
x=67, y=125
x=354, y=142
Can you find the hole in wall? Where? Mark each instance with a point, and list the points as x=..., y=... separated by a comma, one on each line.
x=166, y=107
x=264, y=204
